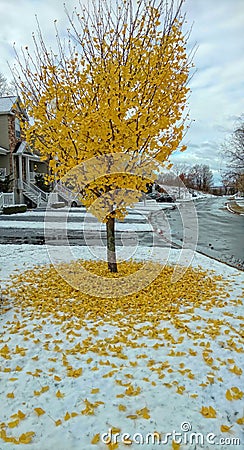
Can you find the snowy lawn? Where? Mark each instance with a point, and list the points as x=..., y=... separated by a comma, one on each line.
x=166, y=359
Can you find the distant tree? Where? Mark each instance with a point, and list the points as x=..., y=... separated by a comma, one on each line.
x=6, y=88
x=121, y=89
x=199, y=177
x=3, y=85
x=233, y=152
x=207, y=178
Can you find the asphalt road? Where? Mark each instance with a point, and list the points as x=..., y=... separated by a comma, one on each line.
x=204, y=225
x=220, y=233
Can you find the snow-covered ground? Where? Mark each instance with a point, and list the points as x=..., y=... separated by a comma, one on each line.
x=68, y=385
x=72, y=225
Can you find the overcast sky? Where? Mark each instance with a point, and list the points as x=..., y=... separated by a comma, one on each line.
x=217, y=88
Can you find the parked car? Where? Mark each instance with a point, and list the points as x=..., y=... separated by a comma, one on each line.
x=153, y=195
x=165, y=198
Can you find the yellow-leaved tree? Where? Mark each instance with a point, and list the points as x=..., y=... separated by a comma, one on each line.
x=110, y=103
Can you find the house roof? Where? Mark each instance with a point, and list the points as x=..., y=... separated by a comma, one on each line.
x=6, y=103
x=22, y=148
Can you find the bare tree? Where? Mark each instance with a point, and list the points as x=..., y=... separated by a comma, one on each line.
x=6, y=88
x=199, y=177
x=3, y=85
x=233, y=152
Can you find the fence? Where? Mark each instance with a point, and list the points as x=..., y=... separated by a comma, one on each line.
x=6, y=199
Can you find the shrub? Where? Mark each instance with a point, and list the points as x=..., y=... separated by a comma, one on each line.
x=14, y=209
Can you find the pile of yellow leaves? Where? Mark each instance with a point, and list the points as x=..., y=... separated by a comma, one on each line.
x=43, y=291
x=41, y=296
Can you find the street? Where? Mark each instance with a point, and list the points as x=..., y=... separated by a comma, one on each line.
x=220, y=233
x=204, y=224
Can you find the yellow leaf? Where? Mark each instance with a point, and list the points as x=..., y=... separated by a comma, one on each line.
x=113, y=445
x=208, y=412
x=133, y=391
x=95, y=391
x=144, y=412
x=39, y=411
x=37, y=393
x=13, y=424
x=95, y=439
x=10, y=395
x=234, y=393
x=236, y=370
x=115, y=430
x=180, y=389
x=57, y=378
x=175, y=445
x=67, y=416
x=59, y=394
x=45, y=389
x=58, y=422
x=122, y=407
x=225, y=428
x=26, y=438
x=21, y=415
x=75, y=373
x=228, y=395
x=240, y=421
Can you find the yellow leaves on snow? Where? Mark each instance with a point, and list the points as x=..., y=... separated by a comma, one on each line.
x=162, y=299
x=234, y=393
x=95, y=390
x=240, y=421
x=208, y=412
x=5, y=352
x=95, y=439
x=133, y=391
x=10, y=395
x=225, y=428
x=59, y=394
x=236, y=370
x=24, y=438
x=144, y=413
x=14, y=423
x=39, y=411
x=89, y=410
x=74, y=373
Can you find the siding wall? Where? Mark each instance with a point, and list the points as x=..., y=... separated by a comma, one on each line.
x=4, y=141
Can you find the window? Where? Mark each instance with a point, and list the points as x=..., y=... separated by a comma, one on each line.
x=2, y=173
x=17, y=128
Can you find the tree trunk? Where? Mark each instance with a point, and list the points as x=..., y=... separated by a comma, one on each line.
x=111, y=254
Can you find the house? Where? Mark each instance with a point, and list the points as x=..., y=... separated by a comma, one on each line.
x=17, y=160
